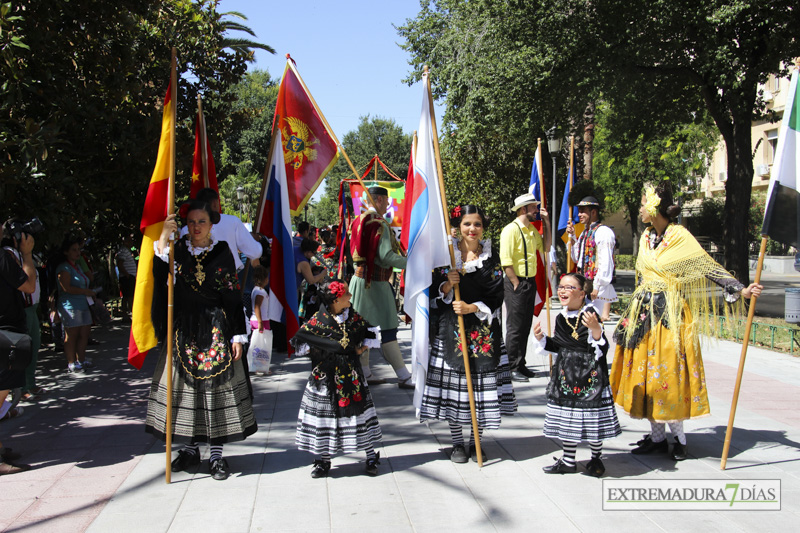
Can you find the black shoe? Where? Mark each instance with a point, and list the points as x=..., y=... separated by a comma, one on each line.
x=527, y=372
x=321, y=469
x=559, y=467
x=7, y=454
x=595, y=467
x=519, y=377
x=678, y=450
x=372, y=465
x=185, y=461
x=219, y=469
x=473, y=455
x=648, y=446
x=459, y=454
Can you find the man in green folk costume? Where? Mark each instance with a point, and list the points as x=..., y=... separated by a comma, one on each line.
x=376, y=253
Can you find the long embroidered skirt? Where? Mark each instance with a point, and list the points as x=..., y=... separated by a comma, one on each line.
x=319, y=430
x=216, y=416
x=446, y=397
x=583, y=423
x=657, y=381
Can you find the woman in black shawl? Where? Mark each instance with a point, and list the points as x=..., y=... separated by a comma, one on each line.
x=480, y=279
x=211, y=400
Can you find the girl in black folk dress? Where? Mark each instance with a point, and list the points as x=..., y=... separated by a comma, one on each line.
x=445, y=395
x=337, y=413
x=579, y=402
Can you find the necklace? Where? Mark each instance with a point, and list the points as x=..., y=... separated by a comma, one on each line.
x=465, y=253
x=345, y=339
x=574, y=333
x=199, y=275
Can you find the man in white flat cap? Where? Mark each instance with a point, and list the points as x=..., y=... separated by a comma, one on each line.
x=519, y=243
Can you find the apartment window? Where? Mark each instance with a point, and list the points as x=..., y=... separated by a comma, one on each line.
x=773, y=84
x=770, y=146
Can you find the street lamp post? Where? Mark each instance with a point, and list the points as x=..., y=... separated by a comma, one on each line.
x=554, y=146
x=240, y=196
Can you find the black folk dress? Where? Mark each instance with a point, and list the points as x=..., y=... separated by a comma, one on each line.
x=445, y=396
x=336, y=413
x=579, y=402
x=210, y=399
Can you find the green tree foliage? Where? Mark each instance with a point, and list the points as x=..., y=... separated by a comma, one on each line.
x=245, y=147
x=509, y=69
x=624, y=165
x=81, y=105
x=375, y=135
x=246, y=185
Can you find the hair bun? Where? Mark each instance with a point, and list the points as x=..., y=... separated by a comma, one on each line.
x=673, y=211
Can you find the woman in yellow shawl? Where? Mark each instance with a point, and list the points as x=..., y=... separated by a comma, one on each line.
x=657, y=371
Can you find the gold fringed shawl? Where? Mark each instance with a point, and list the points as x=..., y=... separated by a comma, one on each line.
x=683, y=271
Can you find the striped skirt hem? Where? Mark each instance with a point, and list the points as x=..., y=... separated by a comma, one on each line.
x=320, y=431
x=583, y=423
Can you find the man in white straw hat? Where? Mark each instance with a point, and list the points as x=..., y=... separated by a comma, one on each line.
x=519, y=244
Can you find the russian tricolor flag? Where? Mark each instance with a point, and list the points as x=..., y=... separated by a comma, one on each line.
x=427, y=243
x=275, y=223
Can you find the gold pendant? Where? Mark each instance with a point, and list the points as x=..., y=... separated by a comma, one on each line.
x=200, y=276
x=575, y=335
x=344, y=339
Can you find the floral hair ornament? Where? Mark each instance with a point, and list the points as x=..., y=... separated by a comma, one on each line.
x=455, y=212
x=337, y=288
x=652, y=201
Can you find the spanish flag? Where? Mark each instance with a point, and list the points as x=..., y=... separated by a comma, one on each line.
x=309, y=149
x=143, y=336
x=204, y=172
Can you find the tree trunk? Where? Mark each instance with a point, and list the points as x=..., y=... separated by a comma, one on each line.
x=588, y=140
x=738, y=189
x=633, y=215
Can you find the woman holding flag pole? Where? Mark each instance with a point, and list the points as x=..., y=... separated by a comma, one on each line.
x=477, y=271
x=657, y=371
x=212, y=399
x=429, y=249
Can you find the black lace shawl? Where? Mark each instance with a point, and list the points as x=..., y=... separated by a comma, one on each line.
x=206, y=315
x=334, y=365
x=484, y=340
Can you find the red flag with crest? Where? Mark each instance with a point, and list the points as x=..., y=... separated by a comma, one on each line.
x=309, y=149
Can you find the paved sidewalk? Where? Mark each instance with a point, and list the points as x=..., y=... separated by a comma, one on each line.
x=95, y=469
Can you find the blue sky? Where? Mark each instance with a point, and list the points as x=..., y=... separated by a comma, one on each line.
x=346, y=52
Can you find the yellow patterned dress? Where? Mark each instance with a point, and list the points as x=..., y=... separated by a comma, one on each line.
x=657, y=371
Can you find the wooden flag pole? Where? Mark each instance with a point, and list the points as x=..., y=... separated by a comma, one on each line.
x=330, y=130
x=750, y=314
x=571, y=183
x=203, y=141
x=171, y=279
x=461, y=330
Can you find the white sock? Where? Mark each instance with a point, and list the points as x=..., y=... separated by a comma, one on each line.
x=658, y=431
x=677, y=431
